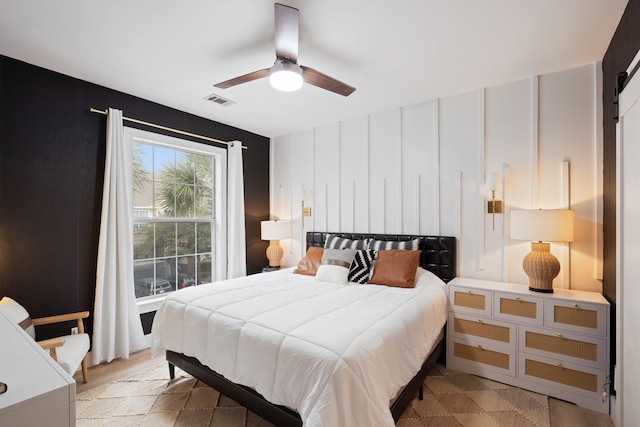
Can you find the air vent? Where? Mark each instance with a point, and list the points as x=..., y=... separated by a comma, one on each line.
x=219, y=100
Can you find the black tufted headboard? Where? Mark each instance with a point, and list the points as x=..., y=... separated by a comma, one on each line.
x=438, y=252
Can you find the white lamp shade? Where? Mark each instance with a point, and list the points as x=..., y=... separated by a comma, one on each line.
x=543, y=225
x=275, y=230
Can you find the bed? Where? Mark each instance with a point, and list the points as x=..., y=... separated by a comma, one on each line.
x=292, y=348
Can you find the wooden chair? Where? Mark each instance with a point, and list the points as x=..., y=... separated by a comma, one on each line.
x=70, y=351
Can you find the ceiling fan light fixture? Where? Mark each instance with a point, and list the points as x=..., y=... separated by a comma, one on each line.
x=285, y=76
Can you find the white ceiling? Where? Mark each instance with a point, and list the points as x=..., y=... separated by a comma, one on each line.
x=395, y=53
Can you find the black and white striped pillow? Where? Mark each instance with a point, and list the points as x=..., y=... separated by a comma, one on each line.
x=361, y=266
x=382, y=245
x=335, y=242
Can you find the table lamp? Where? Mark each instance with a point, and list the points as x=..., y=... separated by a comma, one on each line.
x=541, y=226
x=274, y=231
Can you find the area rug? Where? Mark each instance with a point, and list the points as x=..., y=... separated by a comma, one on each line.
x=451, y=399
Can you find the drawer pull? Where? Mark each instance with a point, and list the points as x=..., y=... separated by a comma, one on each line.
x=469, y=292
x=480, y=347
x=559, y=365
x=517, y=298
x=480, y=321
x=559, y=335
x=575, y=305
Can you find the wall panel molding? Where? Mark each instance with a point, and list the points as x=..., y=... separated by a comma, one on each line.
x=535, y=141
x=422, y=169
x=481, y=210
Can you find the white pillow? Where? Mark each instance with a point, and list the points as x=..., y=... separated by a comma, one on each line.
x=335, y=264
x=427, y=278
x=17, y=314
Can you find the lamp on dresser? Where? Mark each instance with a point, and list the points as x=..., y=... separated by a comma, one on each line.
x=274, y=231
x=541, y=226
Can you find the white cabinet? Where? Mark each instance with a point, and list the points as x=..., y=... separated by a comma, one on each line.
x=556, y=343
x=39, y=392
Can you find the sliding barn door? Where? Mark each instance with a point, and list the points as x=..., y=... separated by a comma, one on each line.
x=628, y=240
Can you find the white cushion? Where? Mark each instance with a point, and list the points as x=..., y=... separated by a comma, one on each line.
x=17, y=314
x=70, y=354
x=334, y=266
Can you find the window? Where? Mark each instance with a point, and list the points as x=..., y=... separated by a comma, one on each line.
x=179, y=193
x=140, y=213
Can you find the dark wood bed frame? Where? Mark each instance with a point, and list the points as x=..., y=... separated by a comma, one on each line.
x=438, y=256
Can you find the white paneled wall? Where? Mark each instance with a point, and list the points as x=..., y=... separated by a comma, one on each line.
x=385, y=172
x=421, y=169
x=354, y=176
x=420, y=163
x=326, y=186
x=511, y=152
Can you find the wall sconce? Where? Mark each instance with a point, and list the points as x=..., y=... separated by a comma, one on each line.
x=274, y=231
x=493, y=206
x=302, y=197
x=540, y=226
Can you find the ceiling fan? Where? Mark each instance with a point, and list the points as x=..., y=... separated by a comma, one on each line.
x=286, y=74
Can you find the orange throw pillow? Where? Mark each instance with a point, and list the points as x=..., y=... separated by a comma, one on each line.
x=309, y=264
x=396, y=268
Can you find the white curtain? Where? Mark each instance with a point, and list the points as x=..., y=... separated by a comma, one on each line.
x=117, y=330
x=237, y=255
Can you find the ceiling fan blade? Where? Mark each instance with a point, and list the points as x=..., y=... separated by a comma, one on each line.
x=323, y=81
x=243, y=79
x=286, y=32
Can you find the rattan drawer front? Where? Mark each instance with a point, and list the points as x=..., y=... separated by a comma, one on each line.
x=563, y=375
x=580, y=349
x=520, y=308
x=562, y=346
x=480, y=354
x=467, y=300
x=516, y=307
x=578, y=317
x=470, y=300
x=489, y=330
x=481, y=329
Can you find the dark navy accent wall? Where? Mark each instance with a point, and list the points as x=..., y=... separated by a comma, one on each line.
x=52, y=152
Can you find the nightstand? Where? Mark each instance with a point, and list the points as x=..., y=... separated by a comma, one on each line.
x=556, y=344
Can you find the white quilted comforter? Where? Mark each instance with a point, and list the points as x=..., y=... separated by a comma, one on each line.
x=336, y=354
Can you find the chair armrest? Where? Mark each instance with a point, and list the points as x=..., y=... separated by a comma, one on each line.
x=60, y=318
x=63, y=318
x=51, y=343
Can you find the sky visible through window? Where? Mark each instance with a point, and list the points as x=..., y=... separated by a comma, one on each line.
x=162, y=156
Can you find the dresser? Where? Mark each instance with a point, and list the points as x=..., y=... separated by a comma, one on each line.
x=551, y=343
x=39, y=392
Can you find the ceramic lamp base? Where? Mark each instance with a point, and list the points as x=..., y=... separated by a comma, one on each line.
x=274, y=253
x=541, y=266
